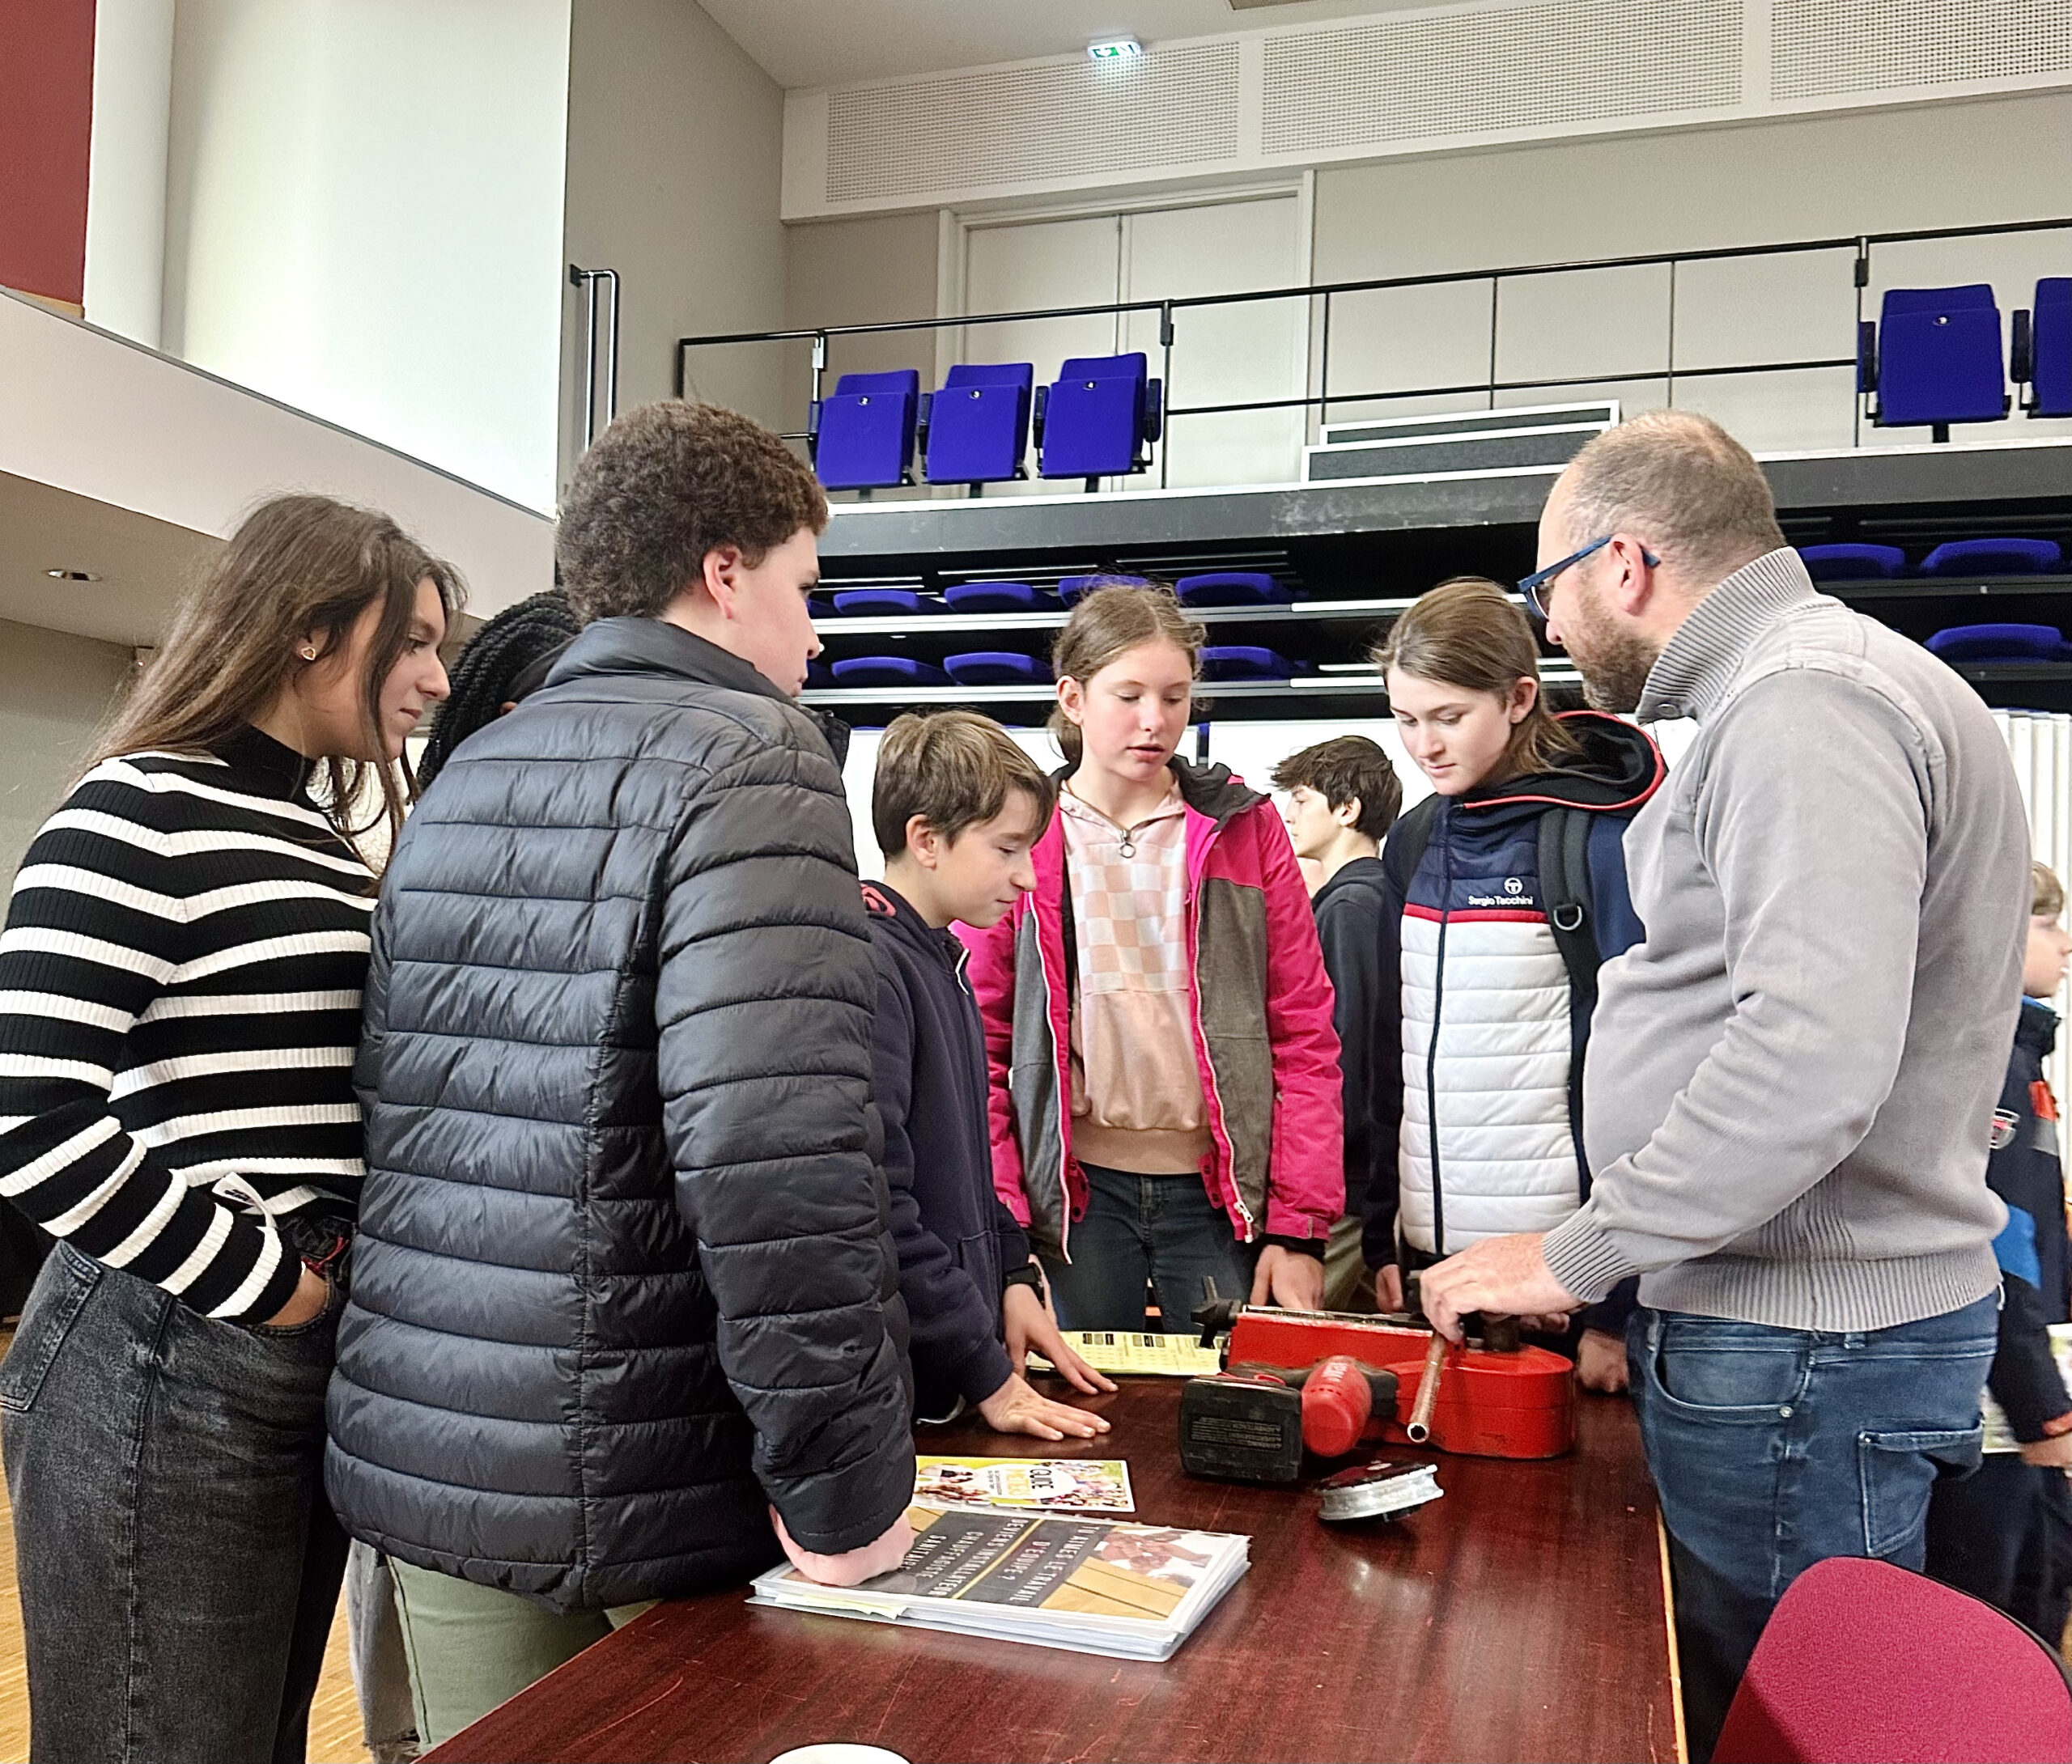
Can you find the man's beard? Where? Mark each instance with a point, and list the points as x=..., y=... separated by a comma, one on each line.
x=1614, y=664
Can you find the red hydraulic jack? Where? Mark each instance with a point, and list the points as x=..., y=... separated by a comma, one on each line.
x=1493, y=1397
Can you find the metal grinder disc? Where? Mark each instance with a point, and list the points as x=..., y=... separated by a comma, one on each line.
x=1377, y=1492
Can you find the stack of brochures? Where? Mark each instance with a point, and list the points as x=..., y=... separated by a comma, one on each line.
x=1021, y=1573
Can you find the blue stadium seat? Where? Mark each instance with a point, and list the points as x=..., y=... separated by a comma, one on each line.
x=2043, y=349
x=997, y=667
x=888, y=671
x=1852, y=563
x=1232, y=587
x=1994, y=557
x=1097, y=418
x=2001, y=643
x=999, y=597
x=1244, y=661
x=862, y=437
x=1070, y=588
x=1933, y=358
x=818, y=675
x=859, y=603
x=976, y=429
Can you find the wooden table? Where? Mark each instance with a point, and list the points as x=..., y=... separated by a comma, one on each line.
x=1522, y=1617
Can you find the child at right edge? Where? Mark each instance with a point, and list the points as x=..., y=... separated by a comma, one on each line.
x=2004, y=1534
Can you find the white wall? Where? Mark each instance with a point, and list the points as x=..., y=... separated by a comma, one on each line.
x=54, y=691
x=1962, y=164
x=364, y=219
x=97, y=419
x=675, y=154
x=126, y=174
x=1955, y=164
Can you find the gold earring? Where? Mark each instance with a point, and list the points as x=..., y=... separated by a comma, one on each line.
x=309, y=652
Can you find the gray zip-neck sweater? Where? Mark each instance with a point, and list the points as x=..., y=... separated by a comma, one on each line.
x=1792, y=1077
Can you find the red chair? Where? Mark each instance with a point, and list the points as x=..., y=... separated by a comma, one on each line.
x=1862, y=1660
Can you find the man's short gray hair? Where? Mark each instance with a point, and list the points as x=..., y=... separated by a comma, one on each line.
x=1682, y=483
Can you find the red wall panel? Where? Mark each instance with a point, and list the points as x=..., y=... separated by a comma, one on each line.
x=46, y=122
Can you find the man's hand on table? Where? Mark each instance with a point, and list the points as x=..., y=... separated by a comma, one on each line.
x=1499, y=1277
x=1016, y=1407
x=1288, y=1279
x=1029, y=1323
x=852, y=1567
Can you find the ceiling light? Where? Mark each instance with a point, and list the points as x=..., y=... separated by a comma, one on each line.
x=71, y=575
x=1115, y=49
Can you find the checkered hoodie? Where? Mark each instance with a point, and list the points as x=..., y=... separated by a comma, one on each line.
x=1258, y=1019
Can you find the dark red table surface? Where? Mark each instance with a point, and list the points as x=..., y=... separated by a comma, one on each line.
x=1522, y=1617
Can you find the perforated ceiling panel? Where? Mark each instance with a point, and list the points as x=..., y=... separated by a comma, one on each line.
x=1177, y=107
x=1486, y=72
x=1823, y=48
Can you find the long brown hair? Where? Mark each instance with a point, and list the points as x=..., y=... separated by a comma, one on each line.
x=298, y=569
x=1468, y=633
x=1107, y=623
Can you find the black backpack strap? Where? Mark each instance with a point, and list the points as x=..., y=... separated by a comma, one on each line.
x=1564, y=891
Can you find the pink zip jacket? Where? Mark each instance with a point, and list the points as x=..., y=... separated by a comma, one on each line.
x=1262, y=1009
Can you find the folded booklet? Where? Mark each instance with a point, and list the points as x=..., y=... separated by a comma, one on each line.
x=1031, y=1485
x=1093, y=1586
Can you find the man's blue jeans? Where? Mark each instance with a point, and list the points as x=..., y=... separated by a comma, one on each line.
x=1773, y=1449
x=1163, y=1229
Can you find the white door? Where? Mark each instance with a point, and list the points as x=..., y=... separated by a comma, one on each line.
x=1223, y=354
x=1035, y=264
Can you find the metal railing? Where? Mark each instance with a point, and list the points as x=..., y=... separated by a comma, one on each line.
x=1860, y=244
x=590, y=282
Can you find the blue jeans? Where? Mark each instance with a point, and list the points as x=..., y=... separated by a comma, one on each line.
x=178, y=1562
x=1773, y=1449
x=1162, y=1230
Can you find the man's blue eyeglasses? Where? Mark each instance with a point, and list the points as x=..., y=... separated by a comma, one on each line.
x=1533, y=586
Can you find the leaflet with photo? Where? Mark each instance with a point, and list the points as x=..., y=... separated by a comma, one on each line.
x=1029, y=1485
x=1093, y=1586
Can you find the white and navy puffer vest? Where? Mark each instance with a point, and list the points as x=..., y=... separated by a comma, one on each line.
x=1492, y=1030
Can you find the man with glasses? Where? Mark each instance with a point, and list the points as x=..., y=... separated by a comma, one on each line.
x=1792, y=1077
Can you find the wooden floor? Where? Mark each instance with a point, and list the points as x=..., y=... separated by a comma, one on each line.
x=334, y=1729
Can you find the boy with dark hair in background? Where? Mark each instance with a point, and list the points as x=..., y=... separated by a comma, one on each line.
x=1342, y=797
x=955, y=806
x=2004, y=1534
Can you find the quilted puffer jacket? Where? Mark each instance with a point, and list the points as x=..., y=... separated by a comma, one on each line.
x=624, y=1274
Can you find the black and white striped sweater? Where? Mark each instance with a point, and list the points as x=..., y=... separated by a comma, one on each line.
x=180, y=997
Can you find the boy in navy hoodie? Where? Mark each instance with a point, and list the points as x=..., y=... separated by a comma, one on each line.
x=956, y=807
x=2004, y=1534
x=1343, y=796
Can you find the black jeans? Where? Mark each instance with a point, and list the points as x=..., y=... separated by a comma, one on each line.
x=178, y=1562
x=2004, y=1534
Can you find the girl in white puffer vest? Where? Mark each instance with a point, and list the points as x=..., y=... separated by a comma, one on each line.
x=1507, y=887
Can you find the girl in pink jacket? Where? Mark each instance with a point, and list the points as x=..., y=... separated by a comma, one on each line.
x=1165, y=1082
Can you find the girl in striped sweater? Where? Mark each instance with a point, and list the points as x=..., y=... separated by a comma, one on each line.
x=179, y=993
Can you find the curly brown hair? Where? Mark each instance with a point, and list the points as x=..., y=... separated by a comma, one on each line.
x=664, y=484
